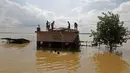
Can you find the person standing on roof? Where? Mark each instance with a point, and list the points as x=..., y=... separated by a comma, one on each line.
x=52, y=25
x=75, y=25
x=68, y=25
x=47, y=25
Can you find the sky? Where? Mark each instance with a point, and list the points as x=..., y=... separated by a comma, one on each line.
x=25, y=15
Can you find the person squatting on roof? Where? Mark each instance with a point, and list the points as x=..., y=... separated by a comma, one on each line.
x=38, y=28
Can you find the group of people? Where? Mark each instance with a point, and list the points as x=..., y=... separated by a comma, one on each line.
x=48, y=25
x=75, y=25
x=51, y=25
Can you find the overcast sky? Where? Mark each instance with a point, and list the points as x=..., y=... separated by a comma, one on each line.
x=25, y=15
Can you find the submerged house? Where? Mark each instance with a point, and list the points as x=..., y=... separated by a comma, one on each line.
x=58, y=37
x=16, y=41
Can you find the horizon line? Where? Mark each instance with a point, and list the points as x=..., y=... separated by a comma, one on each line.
x=34, y=32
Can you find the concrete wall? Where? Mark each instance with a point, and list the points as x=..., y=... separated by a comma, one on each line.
x=56, y=36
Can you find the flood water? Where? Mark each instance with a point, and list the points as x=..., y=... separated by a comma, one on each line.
x=25, y=58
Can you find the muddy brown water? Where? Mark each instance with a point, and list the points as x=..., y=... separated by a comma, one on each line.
x=25, y=58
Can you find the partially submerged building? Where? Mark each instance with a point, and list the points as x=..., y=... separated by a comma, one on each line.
x=65, y=38
x=16, y=41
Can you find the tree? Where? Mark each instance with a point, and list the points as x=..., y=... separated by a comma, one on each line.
x=110, y=31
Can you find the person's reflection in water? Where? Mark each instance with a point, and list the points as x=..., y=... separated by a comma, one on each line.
x=46, y=61
x=110, y=63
